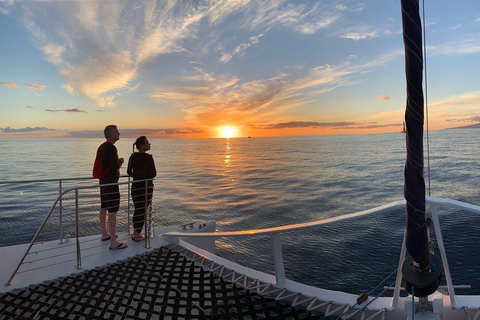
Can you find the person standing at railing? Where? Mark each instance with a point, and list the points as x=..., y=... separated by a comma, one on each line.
x=110, y=195
x=141, y=166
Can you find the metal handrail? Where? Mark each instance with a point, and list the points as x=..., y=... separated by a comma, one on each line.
x=60, y=186
x=53, y=179
x=56, y=201
x=275, y=233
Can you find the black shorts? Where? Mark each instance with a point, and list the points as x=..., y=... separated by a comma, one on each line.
x=110, y=198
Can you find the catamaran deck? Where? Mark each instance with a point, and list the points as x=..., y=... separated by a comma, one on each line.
x=160, y=284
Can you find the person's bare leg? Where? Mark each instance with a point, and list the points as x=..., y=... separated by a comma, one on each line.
x=112, y=225
x=103, y=223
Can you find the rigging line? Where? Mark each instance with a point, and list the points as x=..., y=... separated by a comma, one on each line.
x=426, y=96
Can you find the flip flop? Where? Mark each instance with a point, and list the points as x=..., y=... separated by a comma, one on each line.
x=121, y=245
x=140, y=238
x=107, y=238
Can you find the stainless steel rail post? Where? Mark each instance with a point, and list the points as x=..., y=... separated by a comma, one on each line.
x=396, y=292
x=443, y=254
x=278, y=259
x=61, y=212
x=79, y=255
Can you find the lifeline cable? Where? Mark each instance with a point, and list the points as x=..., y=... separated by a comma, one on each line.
x=426, y=96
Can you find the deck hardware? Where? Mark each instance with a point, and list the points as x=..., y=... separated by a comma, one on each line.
x=362, y=297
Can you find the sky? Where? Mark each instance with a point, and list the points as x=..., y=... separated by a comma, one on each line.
x=198, y=69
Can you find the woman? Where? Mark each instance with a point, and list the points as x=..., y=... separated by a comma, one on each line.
x=141, y=166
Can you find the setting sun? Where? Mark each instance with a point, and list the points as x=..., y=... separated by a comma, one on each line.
x=228, y=132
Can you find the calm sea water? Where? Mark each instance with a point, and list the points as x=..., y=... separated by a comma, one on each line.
x=266, y=182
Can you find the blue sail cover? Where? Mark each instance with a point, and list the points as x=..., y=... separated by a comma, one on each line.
x=414, y=188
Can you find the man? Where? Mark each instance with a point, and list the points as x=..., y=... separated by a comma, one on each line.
x=110, y=195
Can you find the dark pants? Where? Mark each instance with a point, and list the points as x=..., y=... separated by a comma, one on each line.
x=138, y=196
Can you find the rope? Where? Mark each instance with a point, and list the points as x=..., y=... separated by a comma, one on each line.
x=426, y=96
x=376, y=297
x=370, y=292
x=413, y=303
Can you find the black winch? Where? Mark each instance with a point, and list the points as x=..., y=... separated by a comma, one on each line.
x=425, y=282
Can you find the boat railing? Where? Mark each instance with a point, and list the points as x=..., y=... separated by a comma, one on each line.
x=61, y=184
x=69, y=222
x=276, y=233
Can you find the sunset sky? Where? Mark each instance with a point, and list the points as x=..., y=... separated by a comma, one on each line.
x=193, y=69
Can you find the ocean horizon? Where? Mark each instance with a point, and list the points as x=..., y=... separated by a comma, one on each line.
x=267, y=182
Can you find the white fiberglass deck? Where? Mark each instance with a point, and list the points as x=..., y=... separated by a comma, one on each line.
x=52, y=260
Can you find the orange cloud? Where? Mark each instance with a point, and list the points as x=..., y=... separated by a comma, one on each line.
x=29, y=107
x=34, y=86
x=10, y=85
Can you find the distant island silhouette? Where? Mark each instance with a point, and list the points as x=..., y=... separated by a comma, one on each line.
x=472, y=126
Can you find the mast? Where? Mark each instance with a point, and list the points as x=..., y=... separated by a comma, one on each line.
x=421, y=270
x=414, y=188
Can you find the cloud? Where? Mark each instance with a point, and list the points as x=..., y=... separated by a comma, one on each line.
x=74, y=110
x=135, y=133
x=220, y=99
x=360, y=35
x=10, y=85
x=461, y=46
x=30, y=107
x=303, y=124
x=375, y=126
x=3, y=11
x=16, y=86
x=383, y=97
x=240, y=49
x=469, y=119
x=34, y=86
x=102, y=47
x=27, y=129
x=69, y=89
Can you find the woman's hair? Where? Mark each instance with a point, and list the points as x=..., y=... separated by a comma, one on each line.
x=140, y=140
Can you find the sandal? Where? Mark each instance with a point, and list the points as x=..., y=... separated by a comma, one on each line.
x=138, y=238
x=121, y=245
x=107, y=238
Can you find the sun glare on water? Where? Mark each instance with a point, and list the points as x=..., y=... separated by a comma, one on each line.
x=228, y=132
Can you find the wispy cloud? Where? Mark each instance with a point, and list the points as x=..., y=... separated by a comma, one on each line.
x=74, y=110
x=102, y=47
x=17, y=86
x=469, y=119
x=135, y=133
x=34, y=86
x=461, y=46
x=359, y=35
x=30, y=107
x=303, y=124
x=26, y=129
x=222, y=99
x=240, y=49
x=383, y=97
x=10, y=85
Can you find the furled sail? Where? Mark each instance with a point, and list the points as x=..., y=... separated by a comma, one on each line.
x=414, y=188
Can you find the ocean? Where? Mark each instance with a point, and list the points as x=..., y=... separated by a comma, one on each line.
x=258, y=183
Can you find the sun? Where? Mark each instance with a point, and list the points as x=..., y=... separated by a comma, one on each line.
x=228, y=132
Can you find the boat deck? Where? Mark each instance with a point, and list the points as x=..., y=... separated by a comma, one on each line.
x=160, y=284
